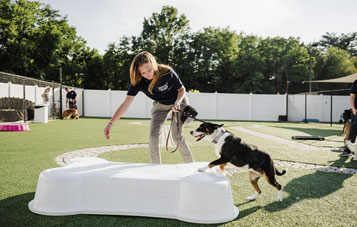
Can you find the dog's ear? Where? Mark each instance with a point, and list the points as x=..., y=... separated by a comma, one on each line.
x=218, y=126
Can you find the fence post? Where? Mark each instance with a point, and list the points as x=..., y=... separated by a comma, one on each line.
x=287, y=106
x=9, y=89
x=305, y=120
x=36, y=89
x=216, y=105
x=331, y=112
x=83, y=102
x=321, y=107
x=23, y=100
x=53, y=109
x=251, y=106
x=60, y=92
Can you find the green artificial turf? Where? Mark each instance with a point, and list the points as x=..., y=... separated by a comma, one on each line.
x=310, y=198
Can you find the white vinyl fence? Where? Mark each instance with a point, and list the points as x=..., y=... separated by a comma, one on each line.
x=33, y=93
x=217, y=106
x=210, y=106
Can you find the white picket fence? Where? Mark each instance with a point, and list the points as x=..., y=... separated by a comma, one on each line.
x=210, y=106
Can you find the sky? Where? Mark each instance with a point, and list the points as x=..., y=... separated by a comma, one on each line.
x=101, y=22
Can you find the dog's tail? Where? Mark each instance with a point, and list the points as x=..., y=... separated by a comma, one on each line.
x=280, y=173
x=343, y=130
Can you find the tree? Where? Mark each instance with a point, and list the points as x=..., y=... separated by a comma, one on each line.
x=285, y=59
x=249, y=68
x=162, y=34
x=346, y=42
x=117, y=60
x=165, y=35
x=213, y=52
x=332, y=64
x=35, y=40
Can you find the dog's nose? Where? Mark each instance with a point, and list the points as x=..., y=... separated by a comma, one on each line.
x=191, y=132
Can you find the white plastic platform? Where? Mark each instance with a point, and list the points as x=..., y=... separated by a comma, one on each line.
x=41, y=113
x=97, y=186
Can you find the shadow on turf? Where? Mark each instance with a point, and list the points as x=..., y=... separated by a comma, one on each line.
x=314, y=131
x=14, y=212
x=342, y=162
x=311, y=186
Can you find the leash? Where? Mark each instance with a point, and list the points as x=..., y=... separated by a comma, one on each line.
x=177, y=124
x=168, y=136
x=186, y=115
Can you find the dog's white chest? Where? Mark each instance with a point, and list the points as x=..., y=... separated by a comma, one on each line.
x=219, y=144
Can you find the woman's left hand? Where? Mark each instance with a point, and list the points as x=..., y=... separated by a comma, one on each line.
x=176, y=106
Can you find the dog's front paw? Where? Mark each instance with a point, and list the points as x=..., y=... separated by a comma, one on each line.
x=253, y=197
x=222, y=173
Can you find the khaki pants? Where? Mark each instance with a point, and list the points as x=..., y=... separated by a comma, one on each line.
x=159, y=115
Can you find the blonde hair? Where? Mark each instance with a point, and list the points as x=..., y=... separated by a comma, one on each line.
x=144, y=58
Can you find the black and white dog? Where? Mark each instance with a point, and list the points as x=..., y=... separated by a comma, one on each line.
x=232, y=149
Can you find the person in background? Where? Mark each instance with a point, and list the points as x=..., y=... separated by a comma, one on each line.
x=351, y=145
x=71, y=97
x=162, y=84
x=46, y=95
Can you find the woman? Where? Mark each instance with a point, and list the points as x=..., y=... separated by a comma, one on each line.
x=160, y=83
x=45, y=95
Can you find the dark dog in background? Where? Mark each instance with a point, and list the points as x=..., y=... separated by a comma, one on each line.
x=346, y=120
x=232, y=149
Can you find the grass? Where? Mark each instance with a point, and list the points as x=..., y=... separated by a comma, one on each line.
x=310, y=198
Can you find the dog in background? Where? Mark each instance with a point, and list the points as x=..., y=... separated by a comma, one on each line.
x=232, y=149
x=346, y=120
x=67, y=114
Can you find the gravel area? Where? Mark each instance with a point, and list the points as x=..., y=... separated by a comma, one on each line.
x=63, y=159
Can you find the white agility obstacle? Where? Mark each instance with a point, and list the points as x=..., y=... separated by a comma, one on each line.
x=97, y=186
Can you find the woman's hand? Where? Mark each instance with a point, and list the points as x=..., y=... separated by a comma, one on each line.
x=107, y=130
x=354, y=111
x=176, y=106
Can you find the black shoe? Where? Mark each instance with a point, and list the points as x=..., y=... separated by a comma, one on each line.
x=346, y=153
x=346, y=149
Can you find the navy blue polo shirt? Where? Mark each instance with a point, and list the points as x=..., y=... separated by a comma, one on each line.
x=71, y=96
x=165, y=90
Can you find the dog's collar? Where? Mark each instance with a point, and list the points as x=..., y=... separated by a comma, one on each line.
x=220, y=134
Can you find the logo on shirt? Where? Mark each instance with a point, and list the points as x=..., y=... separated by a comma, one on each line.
x=164, y=87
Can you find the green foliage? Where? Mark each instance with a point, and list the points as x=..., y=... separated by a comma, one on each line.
x=163, y=32
x=36, y=40
x=249, y=67
x=346, y=42
x=333, y=63
x=116, y=64
x=285, y=59
x=213, y=52
x=193, y=91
